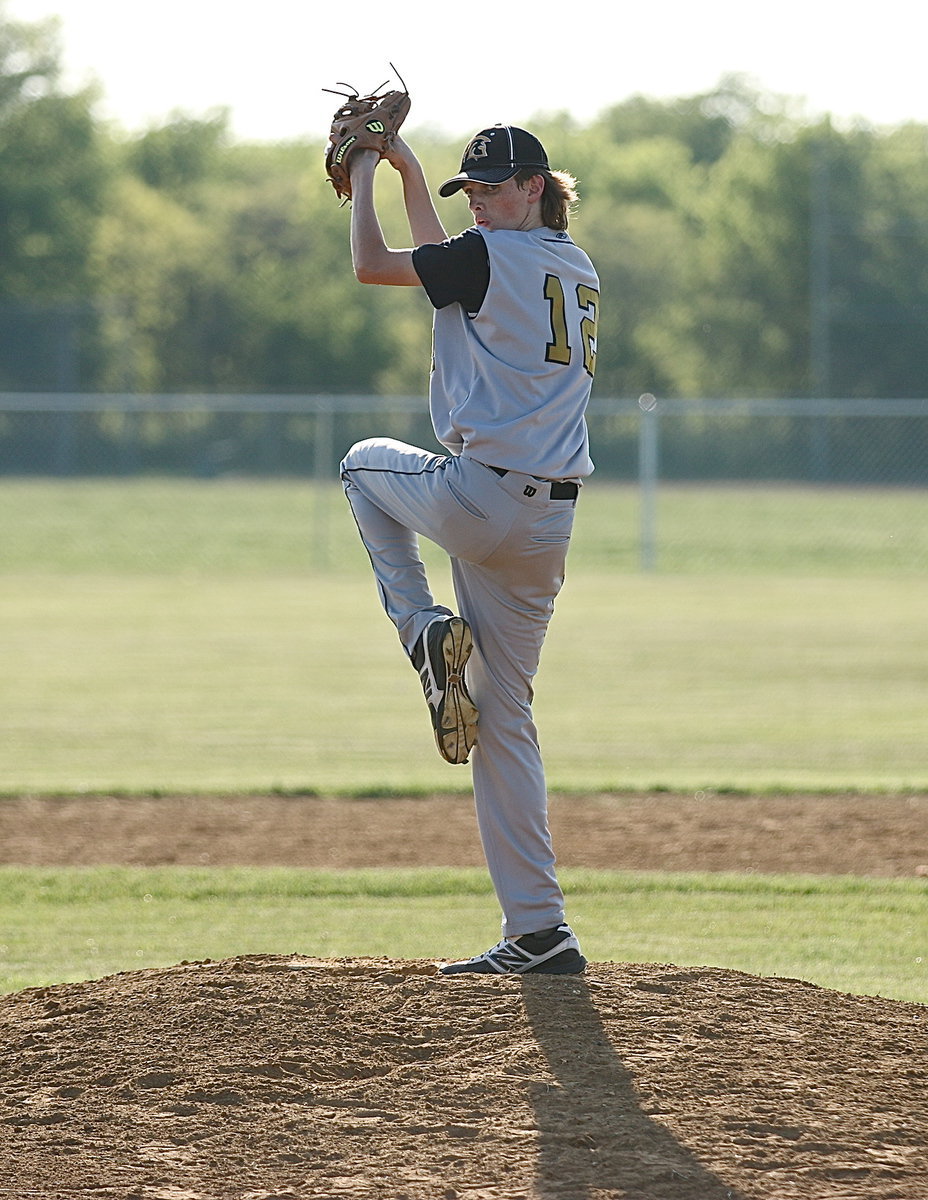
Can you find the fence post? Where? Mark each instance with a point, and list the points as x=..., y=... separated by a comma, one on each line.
x=322, y=476
x=648, y=465
x=820, y=367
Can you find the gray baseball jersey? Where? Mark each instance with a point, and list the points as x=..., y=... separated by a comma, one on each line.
x=511, y=381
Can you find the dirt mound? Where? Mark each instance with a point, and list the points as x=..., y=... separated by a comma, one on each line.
x=295, y=1079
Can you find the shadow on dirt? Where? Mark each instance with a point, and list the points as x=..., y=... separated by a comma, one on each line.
x=595, y=1134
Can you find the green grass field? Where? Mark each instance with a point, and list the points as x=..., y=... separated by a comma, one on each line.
x=180, y=634
x=170, y=634
x=865, y=936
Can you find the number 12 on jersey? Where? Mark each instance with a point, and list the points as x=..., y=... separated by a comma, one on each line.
x=559, y=349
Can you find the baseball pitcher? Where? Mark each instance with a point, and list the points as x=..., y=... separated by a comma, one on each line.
x=516, y=303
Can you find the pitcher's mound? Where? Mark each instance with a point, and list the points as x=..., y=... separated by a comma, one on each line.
x=299, y=1079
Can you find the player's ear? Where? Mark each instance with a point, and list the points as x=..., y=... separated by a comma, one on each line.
x=535, y=187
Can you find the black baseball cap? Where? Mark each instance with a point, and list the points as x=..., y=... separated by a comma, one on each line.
x=495, y=155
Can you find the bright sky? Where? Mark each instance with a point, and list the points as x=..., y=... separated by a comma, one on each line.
x=467, y=68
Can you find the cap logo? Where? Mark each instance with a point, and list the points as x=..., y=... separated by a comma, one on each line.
x=479, y=147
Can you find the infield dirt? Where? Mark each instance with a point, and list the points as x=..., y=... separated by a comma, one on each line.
x=295, y=1078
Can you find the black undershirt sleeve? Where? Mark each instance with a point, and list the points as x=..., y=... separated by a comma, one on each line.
x=456, y=271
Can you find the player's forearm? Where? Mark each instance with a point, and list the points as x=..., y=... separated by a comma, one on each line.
x=367, y=241
x=371, y=257
x=424, y=223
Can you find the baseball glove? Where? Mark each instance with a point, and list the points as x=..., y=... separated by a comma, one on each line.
x=362, y=123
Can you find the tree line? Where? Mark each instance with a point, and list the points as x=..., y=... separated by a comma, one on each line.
x=743, y=250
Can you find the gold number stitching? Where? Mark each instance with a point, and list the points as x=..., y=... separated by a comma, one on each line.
x=559, y=350
x=588, y=299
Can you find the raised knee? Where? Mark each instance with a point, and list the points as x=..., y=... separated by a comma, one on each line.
x=356, y=456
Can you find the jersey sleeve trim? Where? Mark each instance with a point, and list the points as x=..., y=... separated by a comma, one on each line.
x=455, y=272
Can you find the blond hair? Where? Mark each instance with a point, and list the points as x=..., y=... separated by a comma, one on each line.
x=559, y=197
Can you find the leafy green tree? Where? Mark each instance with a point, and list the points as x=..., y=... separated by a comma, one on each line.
x=301, y=325
x=29, y=57
x=873, y=233
x=53, y=179
x=741, y=250
x=808, y=259
x=182, y=152
x=740, y=324
x=53, y=170
x=155, y=261
x=704, y=124
x=631, y=222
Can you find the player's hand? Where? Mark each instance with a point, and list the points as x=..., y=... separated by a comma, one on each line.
x=399, y=154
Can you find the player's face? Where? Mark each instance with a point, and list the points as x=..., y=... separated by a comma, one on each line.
x=505, y=205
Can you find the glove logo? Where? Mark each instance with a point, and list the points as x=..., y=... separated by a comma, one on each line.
x=376, y=126
x=339, y=156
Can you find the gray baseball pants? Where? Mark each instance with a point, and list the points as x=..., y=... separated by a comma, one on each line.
x=508, y=541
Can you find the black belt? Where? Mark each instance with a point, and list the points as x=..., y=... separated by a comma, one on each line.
x=559, y=489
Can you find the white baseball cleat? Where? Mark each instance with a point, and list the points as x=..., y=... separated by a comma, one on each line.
x=550, y=952
x=440, y=657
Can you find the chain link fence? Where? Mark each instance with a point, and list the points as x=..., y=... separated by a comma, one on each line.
x=656, y=447
x=850, y=441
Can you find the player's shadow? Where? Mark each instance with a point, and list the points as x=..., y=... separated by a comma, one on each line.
x=594, y=1136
